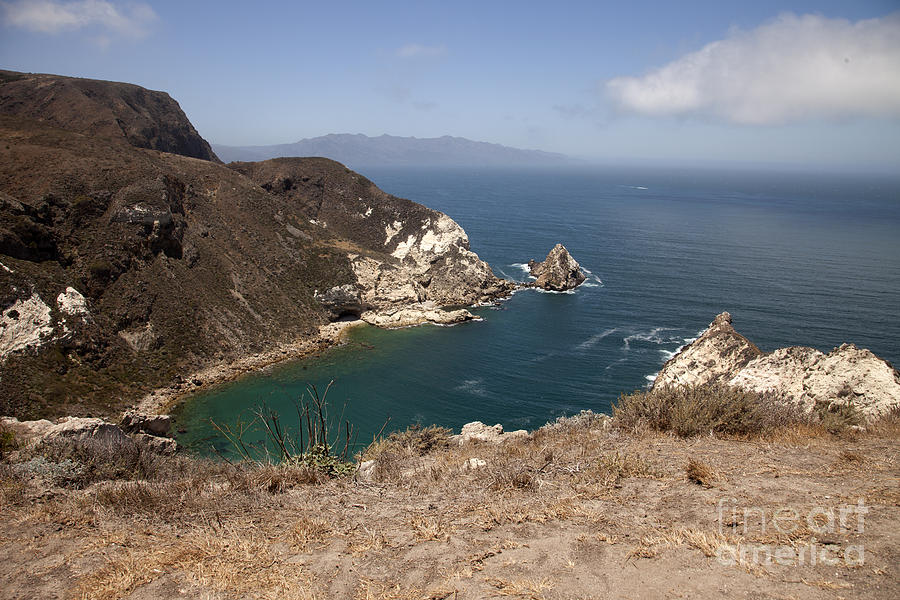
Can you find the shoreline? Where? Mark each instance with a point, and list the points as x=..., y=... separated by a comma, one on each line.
x=163, y=400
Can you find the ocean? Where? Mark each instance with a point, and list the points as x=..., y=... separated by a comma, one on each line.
x=796, y=258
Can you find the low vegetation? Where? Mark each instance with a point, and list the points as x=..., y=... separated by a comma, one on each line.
x=579, y=505
x=689, y=411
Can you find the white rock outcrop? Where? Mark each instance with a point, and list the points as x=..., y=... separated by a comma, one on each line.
x=805, y=376
x=430, y=263
x=25, y=324
x=847, y=374
x=476, y=431
x=416, y=314
x=29, y=322
x=714, y=357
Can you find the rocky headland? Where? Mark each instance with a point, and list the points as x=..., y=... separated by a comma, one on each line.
x=130, y=257
x=846, y=376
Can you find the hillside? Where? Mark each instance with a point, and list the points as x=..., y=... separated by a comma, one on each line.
x=144, y=118
x=387, y=150
x=126, y=268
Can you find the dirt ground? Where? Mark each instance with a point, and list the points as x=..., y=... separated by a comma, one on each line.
x=574, y=511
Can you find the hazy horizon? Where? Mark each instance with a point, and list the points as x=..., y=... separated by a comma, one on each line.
x=794, y=83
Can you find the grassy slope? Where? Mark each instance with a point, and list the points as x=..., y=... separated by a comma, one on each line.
x=576, y=511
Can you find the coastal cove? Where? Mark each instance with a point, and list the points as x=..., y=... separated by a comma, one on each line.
x=798, y=259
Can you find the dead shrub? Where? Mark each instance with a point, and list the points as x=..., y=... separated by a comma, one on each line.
x=701, y=473
x=615, y=466
x=415, y=440
x=697, y=410
x=837, y=417
x=506, y=471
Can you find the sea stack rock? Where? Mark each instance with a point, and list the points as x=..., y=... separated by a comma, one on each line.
x=558, y=272
x=799, y=375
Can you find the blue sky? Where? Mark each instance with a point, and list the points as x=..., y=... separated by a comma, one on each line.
x=798, y=83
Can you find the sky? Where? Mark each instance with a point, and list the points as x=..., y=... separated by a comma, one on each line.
x=810, y=84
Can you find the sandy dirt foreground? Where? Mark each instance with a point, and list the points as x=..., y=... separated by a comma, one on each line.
x=572, y=512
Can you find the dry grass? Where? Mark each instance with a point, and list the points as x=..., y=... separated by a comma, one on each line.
x=237, y=562
x=577, y=499
x=533, y=589
x=308, y=533
x=701, y=473
x=707, y=542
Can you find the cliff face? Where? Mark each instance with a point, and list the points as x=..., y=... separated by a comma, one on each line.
x=400, y=252
x=122, y=268
x=146, y=119
x=798, y=374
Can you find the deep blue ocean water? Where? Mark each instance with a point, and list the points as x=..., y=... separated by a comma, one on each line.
x=797, y=259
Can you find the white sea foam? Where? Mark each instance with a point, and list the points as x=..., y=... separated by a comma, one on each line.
x=524, y=268
x=543, y=291
x=651, y=336
x=473, y=386
x=594, y=339
x=591, y=277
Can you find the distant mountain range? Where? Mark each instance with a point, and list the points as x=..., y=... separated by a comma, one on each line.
x=387, y=150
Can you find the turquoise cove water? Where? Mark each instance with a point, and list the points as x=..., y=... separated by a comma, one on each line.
x=797, y=259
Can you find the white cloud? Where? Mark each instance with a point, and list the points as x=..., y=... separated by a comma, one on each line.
x=52, y=16
x=795, y=67
x=420, y=51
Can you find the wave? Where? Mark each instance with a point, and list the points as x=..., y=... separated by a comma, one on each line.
x=651, y=336
x=592, y=277
x=524, y=268
x=594, y=339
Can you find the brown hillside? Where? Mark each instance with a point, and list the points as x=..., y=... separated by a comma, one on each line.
x=145, y=118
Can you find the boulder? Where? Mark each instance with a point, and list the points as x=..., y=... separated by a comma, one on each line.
x=83, y=428
x=492, y=434
x=155, y=443
x=26, y=430
x=133, y=422
x=558, y=272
